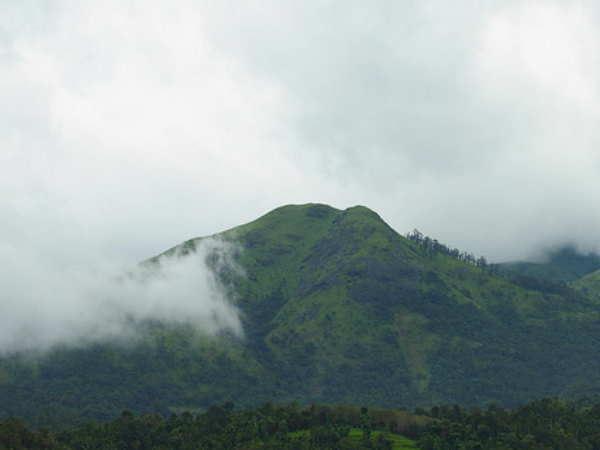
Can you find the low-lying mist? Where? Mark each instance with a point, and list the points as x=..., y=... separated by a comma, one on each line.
x=44, y=306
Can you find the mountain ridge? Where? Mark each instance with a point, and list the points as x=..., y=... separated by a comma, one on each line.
x=336, y=307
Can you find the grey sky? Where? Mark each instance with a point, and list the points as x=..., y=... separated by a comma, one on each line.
x=128, y=127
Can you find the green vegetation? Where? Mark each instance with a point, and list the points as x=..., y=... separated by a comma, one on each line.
x=545, y=424
x=337, y=308
x=222, y=427
x=589, y=285
x=563, y=265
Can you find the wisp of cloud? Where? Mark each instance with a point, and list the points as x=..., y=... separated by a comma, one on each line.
x=44, y=306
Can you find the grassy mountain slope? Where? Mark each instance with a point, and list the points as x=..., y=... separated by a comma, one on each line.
x=337, y=307
x=365, y=314
x=348, y=310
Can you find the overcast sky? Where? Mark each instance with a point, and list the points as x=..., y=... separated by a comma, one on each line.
x=127, y=127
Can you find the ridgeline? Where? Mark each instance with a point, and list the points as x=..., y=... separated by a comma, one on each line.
x=336, y=307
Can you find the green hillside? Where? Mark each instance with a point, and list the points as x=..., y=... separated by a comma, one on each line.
x=337, y=308
x=562, y=265
x=589, y=285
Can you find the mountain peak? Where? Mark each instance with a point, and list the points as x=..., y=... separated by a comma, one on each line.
x=337, y=307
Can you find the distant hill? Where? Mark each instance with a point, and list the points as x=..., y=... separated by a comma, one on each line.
x=337, y=307
x=589, y=285
x=562, y=265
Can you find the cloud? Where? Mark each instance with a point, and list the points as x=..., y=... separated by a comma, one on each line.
x=129, y=127
x=44, y=305
x=123, y=117
x=474, y=122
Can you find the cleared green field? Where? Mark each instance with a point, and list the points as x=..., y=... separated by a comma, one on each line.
x=356, y=436
x=399, y=442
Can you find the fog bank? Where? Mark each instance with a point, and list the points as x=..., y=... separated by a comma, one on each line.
x=45, y=305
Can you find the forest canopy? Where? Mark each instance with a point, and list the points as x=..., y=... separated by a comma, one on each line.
x=544, y=424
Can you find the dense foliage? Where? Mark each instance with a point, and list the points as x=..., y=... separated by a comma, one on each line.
x=223, y=427
x=545, y=424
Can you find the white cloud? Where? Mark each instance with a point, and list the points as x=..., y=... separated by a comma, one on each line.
x=44, y=305
x=132, y=129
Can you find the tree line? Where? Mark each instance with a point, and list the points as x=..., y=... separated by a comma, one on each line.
x=434, y=247
x=544, y=424
x=219, y=427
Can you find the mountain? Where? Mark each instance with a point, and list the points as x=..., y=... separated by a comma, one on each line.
x=336, y=307
x=561, y=265
x=589, y=285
